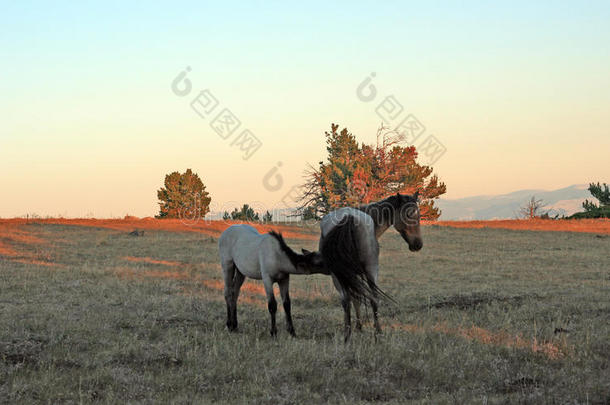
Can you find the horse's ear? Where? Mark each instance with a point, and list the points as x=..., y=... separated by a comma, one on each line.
x=305, y=251
x=416, y=195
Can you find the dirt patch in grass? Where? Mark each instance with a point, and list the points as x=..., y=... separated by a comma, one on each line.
x=36, y=262
x=14, y=241
x=11, y=234
x=598, y=225
x=484, y=336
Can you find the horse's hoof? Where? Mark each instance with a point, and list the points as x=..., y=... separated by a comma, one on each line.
x=273, y=333
x=292, y=333
x=358, y=327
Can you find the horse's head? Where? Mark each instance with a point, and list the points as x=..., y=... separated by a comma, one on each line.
x=312, y=262
x=406, y=219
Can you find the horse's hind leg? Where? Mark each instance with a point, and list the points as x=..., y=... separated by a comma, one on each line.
x=286, y=302
x=238, y=280
x=346, y=304
x=271, y=303
x=228, y=274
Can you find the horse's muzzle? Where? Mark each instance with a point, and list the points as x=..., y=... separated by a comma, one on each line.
x=416, y=245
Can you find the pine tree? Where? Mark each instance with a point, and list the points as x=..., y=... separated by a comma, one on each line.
x=183, y=196
x=592, y=210
x=268, y=217
x=246, y=213
x=602, y=193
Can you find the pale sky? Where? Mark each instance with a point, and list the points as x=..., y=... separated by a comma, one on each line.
x=518, y=94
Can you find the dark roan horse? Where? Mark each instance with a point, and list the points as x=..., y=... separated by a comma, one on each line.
x=350, y=249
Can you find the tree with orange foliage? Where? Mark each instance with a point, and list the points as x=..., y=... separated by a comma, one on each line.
x=183, y=196
x=359, y=174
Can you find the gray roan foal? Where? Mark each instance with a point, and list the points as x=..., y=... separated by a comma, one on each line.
x=246, y=253
x=350, y=249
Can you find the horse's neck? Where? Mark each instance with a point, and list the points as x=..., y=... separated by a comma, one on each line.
x=380, y=229
x=382, y=214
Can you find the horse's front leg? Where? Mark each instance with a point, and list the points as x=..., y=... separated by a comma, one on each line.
x=271, y=303
x=284, y=283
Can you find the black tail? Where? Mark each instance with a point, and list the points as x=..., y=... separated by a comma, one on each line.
x=341, y=253
x=294, y=257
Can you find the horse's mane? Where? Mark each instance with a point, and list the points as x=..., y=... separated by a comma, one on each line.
x=381, y=211
x=294, y=257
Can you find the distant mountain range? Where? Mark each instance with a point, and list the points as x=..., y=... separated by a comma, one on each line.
x=564, y=201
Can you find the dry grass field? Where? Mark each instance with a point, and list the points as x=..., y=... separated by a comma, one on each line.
x=92, y=314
